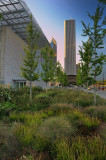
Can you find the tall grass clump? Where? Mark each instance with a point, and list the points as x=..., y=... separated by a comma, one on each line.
x=56, y=127
x=61, y=150
x=61, y=108
x=80, y=149
x=97, y=111
x=26, y=131
x=78, y=118
x=9, y=145
x=42, y=101
x=89, y=148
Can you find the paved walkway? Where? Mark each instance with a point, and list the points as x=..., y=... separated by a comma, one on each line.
x=100, y=93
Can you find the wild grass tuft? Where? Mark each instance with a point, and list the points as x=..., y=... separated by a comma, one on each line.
x=80, y=148
x=56, y=127
x=97, y=111
x=78, y=118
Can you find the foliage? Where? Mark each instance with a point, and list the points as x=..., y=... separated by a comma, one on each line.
x=86, y=52
x=6, y=109
x=60, y=75
x=102, y=1
x=26, y=132
x=9, y=146
x=30, y=60
x=61, y=108
x=48, y=65
x=80, y=148
x=42, y=143
x=52, y=132
x=96, y=33
x=79, y=77
x=97, y=111
x=55, y=127
x=78, y=119
x=0, y=16
x=61, y=150
x=42, y=101
x=5, y=96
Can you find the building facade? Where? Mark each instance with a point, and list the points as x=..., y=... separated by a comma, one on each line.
x=13, y=40
x=69, y=47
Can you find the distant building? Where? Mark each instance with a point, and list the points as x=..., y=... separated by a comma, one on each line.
x=53, y=44
x=70, y=47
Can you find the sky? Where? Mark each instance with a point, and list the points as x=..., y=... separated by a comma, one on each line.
x=50, y=15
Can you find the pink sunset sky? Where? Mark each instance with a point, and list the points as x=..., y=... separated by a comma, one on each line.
x=50, y=15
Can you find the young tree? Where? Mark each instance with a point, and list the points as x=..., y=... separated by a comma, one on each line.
x=86, y=52
x=30, y=60
x=48, y=65
x=96, y=34
x=79, y=77
x=60, y=75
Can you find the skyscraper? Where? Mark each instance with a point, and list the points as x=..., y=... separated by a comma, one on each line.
x=69, y=47
x=53, y=44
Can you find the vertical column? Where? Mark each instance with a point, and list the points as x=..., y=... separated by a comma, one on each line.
x=2, y=50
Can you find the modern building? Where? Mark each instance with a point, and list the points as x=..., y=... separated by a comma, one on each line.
x=70, y=47
x=53, y=44
x=16, y=16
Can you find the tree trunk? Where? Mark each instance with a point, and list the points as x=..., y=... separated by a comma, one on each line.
x=46, y=87
x=95, y=80
x=30, y=90
x=87, y=88
x=95, y=93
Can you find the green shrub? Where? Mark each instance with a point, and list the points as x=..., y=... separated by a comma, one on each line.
x=42, y=101
x=5, y=96
x=42, y=143
x=55, y=127
x=97, y=111
x=37, y=88
x=6, y=108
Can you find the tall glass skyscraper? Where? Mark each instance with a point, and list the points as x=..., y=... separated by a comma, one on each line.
x=69, y=47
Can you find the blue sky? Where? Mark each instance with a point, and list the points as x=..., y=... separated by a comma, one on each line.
x=50, y=15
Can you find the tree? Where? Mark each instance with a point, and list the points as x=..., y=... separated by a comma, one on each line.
x=0, y=15
x=79, y=77
x=102, y=1
x=30, y=60
x=96, y=33
x=48, y=65
x=86, y=52
x=60, y=75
